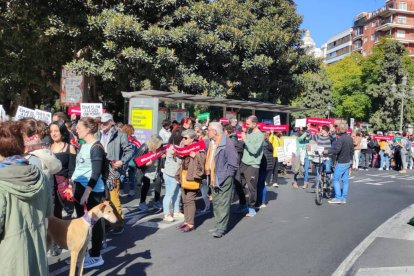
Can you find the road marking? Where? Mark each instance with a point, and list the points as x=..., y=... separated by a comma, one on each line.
x=374, y=184
x=67, y=267
x=364, y=180
x=396, y=270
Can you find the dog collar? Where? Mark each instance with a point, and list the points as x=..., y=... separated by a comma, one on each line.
x=88, y=219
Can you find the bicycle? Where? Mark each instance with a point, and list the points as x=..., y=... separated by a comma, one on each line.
x=323, y=187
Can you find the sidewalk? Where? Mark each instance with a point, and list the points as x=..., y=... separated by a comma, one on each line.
x=389, y=250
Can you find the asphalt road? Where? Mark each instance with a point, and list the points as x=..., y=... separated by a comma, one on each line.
x=292, y=236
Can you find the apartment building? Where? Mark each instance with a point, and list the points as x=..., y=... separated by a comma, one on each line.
x=338, y=46
x=395, y=20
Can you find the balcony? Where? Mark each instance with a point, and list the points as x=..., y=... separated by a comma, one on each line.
x=387, y=25
x=357, y=36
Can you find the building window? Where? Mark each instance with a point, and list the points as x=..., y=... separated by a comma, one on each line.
x=402, y=20
x=366, y=27
x=373, y=24
x=400, y=34
x=402, y=6
x=373, y=37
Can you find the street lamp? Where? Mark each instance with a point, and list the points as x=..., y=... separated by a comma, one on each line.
x=402, y=95
x=328, y=112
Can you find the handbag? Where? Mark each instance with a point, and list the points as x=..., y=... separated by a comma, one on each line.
x=64, y=190
x=188, y=185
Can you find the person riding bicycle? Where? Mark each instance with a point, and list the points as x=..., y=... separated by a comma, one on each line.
x=324, y=140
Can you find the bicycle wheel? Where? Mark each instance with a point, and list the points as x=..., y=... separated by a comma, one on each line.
x=319, y=192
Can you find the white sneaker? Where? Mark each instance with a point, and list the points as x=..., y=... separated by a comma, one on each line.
x=178, y=215
x=93, y=262
x=143, y=206
x=275, y=185
x=263, y=206
x=380, y=169
x=168, y=218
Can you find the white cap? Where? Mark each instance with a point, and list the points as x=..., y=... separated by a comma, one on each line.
x=106, y=117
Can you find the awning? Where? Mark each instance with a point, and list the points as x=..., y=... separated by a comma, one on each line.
x=211, y=101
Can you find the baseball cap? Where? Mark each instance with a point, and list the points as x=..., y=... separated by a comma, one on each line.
x=106, y=117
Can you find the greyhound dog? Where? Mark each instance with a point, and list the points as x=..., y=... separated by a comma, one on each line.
x=74, y=234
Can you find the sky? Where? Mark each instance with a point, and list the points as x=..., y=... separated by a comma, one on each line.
x=326, y=18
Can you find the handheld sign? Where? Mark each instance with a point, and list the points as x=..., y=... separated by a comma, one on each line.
x=300, y=122
x=43, y=116
x=320, y=121
x=185, y=151
x=276, y=120
x=151, y=156
x=24, y=112
x=203, y=116
x=2, y=113
x=91, y=110
x=224, y=121
x=281, y=128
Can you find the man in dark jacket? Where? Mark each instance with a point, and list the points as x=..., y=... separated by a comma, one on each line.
x=221, y=166
x=119, y=151
x=265, y=170
x=344, y=152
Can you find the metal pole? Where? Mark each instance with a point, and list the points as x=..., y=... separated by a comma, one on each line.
x=402, y=112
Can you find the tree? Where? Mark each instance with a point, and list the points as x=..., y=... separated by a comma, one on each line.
x=315, y=95
x=36, y=39
x=222, y=48
x=386, y=66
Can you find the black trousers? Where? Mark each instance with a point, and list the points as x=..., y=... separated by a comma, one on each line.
x=275, y=170
x=97, y=230
x=249, y=179
x=146, y=182
x=239, y=188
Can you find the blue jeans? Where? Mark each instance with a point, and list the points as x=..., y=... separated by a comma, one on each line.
x=341, y=172
x=385, y=160
x=261, y=187
x=172, y=195
x=306, y=170
x=326, y=167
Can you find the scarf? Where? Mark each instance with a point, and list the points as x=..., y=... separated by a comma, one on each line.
x=210, y=165
x=11, y=160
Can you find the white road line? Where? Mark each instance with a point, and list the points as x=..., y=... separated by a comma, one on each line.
x=67, y=267
x=396, y=270
x=374, y=184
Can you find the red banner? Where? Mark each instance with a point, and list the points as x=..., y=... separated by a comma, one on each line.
x=151, y=156
x=383, y=138
x=275, y=128
x=195, y=147
x=313, y=130
x=224, y=121
x=320, y=121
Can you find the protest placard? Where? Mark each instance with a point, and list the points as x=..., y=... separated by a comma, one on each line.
x=185, y=151
x=300, y=122
x=224, y=121
x=24, y=112
x=91, y=110
x=273, y=128
x=320, y=121
x=276, y=120
x=2, y=113
x=151, y=156
x=43, y=116
x=281, y=156
x=203, y=116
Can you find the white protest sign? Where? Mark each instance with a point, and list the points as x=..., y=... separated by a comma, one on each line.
x=281, y=156
x=352, y=123
x=276, y=120
x=2, y=113
x=24, y=112
x=43, y=116
x=91, y=110
x=300, y=122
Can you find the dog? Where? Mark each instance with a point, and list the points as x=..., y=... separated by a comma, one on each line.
x=74, y=234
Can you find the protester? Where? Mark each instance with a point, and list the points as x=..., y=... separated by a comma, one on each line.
x=66, y=153
x=385, y=154
x=366, y=153
x=186, y=123
x=301, y=160
x=405, y=151
x=150, y=173
x=250, y=163
x=119, y=152
x=165, y=131
x=131, y=168
x=25, y=204
x=324, y=140
x=356, y=138
x=88, y=183
x=172, y=195
x=266, y=168
x=189, y=175
x=220, y=166
x=277, y=142
x=344, y=150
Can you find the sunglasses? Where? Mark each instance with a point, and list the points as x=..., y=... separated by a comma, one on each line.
x=186, y=138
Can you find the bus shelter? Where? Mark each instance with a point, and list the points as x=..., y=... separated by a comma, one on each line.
x=142, y=107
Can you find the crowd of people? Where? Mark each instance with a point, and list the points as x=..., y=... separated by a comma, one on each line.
x=70, y=164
